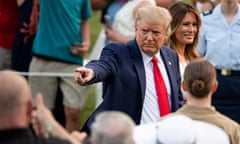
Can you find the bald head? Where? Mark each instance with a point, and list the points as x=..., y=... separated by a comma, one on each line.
x=14, y=91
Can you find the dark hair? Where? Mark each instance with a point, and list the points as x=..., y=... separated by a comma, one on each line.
x=178, y=11
x=199, y=77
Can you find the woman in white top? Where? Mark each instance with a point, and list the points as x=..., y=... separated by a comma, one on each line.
x=184, y=36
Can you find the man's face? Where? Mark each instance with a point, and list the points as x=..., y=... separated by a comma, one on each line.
x=150, y=37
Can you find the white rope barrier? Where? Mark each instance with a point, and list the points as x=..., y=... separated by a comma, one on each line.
x=46, y=74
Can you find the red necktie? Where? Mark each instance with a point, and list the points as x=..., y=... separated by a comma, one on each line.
x=160, y=89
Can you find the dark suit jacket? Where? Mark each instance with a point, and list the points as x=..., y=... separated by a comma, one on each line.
x=121, y=69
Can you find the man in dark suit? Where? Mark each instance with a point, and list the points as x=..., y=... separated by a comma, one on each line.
x=126, y=70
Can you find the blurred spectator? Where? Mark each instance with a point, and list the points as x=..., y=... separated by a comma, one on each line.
x=122, y=29
x=9, y=24
x=16, y=107
x=62, y=39
x=109, y=14
x=22, y=46
x=219, y=44
x=111, y=9
x=112, y=127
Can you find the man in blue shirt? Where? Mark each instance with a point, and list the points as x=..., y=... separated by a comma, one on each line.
x=219, y=43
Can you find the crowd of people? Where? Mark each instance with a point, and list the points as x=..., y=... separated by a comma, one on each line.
x=161, y=64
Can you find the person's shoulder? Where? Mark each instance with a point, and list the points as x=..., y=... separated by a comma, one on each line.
x=115, y=48
x=115, y=45
x=228, y=121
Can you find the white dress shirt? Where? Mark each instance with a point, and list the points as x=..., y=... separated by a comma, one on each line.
x=150, y=110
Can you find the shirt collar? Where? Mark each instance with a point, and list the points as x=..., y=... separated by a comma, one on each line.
x=200, y=110
x=147, y=59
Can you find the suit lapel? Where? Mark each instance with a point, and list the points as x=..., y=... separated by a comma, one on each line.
x=169, y=68
x=167, y=62
x=138, y=63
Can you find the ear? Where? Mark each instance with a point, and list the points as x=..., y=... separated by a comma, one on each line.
x=214, y=87
x=29, y=108
x=184, y=87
